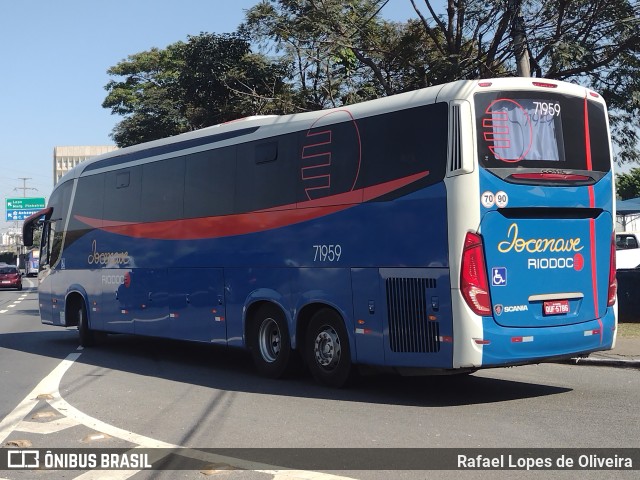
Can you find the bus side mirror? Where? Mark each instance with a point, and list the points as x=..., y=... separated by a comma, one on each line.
x=31, y=223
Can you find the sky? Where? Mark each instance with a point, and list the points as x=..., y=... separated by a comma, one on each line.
x=55, y=55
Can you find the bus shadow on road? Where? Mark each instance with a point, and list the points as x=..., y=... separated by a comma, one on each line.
x=229, y=369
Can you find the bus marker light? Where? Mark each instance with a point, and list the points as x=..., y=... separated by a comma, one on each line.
x=481, y=341
x=588, y=333
x=219, y=319
x=484, y=84
x=522, y=339
x=551, y=177
x=364, y=331
x=446, y=339
x=544, y=84
x=361, y=322
x=174, y=315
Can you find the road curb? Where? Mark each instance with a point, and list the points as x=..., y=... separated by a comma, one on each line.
x=606, y=362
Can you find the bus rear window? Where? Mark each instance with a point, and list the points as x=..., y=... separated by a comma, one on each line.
x=540, y=130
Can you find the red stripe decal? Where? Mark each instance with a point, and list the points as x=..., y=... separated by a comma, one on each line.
x=251, y=222
x=592, y=222
x=587, y=137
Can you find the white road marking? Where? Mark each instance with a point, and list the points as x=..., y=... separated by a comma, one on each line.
x=48, y=389
x=48, y=385
x=45, y=428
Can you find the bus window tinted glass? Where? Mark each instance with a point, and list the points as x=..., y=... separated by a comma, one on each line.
x=163, y=190
x=533, y=129
x=210, y=183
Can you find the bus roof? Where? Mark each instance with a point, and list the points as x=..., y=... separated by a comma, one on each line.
x=252, y=128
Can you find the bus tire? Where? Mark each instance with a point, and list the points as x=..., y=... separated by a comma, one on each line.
x=269, y=341
x=327, y=349
x=85, y=334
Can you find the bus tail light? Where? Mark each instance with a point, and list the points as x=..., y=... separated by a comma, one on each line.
x=613, y=282
x=474, y=284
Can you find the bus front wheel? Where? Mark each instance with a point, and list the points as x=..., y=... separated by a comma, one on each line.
x=327, y=349
x=269, y=341
x=86, y=335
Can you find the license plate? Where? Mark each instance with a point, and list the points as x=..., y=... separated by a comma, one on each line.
x=556, y=307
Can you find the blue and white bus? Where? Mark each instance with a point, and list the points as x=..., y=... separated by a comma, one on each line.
x=453, y=228
x=31, y=263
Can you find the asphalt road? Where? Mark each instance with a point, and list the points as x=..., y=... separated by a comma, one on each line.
x=131, y=392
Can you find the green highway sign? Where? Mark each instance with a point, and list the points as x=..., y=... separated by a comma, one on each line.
x=19, y=203
x=20, y=208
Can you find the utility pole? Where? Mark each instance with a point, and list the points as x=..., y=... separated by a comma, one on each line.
x=24, y=187
x=519, y=37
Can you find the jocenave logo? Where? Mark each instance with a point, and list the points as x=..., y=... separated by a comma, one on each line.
x=537, y=245
x=104, y=258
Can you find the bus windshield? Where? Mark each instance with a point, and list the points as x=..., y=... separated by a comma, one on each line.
x=524, y=129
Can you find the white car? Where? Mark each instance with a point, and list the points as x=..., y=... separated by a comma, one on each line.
x=627, y=250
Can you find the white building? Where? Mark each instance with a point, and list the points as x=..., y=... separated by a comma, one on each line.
x=65, y=158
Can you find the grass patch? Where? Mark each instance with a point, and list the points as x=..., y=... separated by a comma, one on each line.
x=629, y=329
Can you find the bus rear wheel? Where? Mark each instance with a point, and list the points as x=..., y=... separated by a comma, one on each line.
x=269, y=342
x=327, y=349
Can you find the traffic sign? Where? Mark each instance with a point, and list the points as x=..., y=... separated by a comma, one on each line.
x=21, y=208
x=15, y=215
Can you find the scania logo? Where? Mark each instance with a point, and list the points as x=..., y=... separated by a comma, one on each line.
x=515, y=308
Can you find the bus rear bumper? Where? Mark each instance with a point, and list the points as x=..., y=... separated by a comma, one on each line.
x=516, y=346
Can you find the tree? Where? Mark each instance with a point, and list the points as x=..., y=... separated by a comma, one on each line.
x=190, y=85
x=344, y=52
x=628, y=184
x=146, y=96
x=595, y=43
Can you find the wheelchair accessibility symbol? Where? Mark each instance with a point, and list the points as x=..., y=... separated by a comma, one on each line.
x=499, y=276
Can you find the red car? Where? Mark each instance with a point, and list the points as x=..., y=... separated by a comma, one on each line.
x=10, y=277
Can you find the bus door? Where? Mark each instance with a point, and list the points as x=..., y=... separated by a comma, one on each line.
x=196, y=305
x=45, y=298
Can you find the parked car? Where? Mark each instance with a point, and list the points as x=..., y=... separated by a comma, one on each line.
x=10, y=277
x=627, y=250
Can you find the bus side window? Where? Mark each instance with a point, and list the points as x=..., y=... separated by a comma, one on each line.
x=122, y=194
x=209, y=184
x=265, y=175
x=163, y=190
x=329, y=161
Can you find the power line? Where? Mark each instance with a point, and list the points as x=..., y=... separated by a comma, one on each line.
x=24, y=187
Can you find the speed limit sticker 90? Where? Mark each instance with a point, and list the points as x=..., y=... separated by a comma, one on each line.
x=489, y=199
